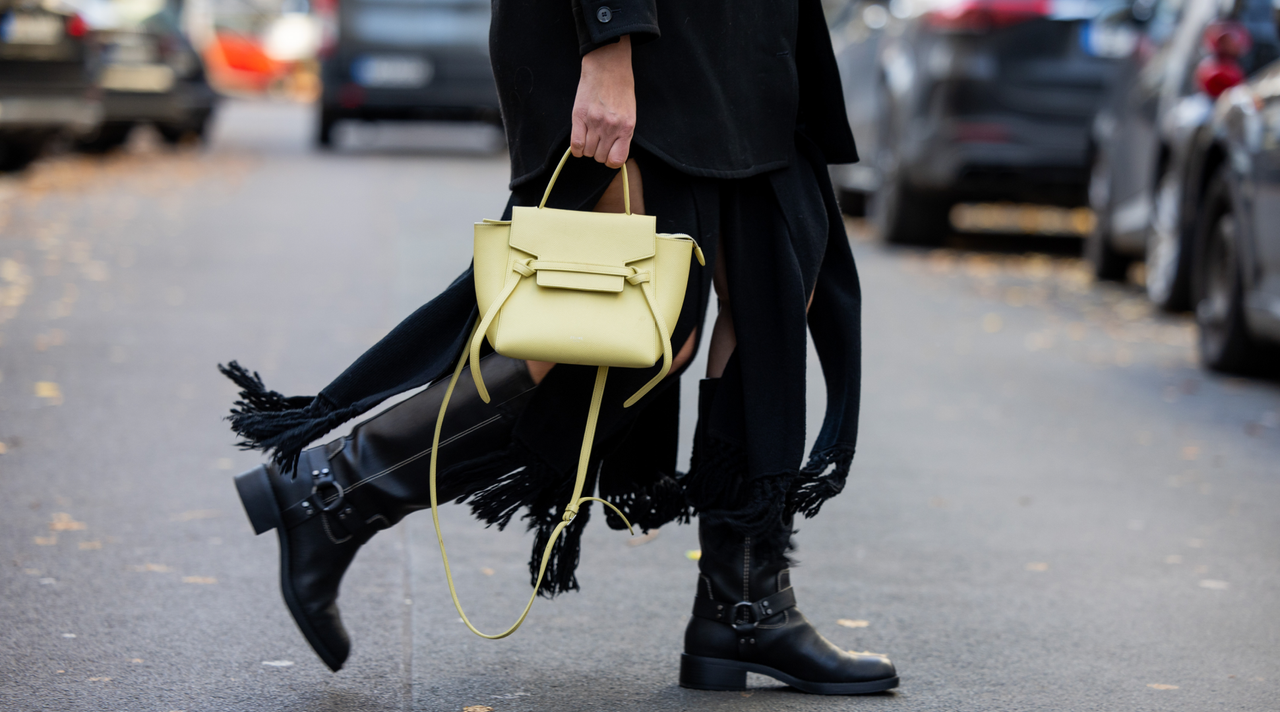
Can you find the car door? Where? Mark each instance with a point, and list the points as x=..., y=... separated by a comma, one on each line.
x=1264, y=299
x=1135, y=148
x=857, y=28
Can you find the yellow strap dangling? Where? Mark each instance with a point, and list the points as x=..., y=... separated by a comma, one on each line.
x=571, y=510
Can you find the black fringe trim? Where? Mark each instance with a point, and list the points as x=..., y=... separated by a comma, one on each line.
x=520, y=480
x=716, y=489
x=650, y=507
x=276, y=424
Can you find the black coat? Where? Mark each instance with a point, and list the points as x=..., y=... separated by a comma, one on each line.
x=720, y=86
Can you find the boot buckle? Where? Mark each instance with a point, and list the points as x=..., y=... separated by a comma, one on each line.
x=743, y=626
x=318, y=498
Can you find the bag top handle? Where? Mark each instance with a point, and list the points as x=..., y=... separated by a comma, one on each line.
x=626, y=188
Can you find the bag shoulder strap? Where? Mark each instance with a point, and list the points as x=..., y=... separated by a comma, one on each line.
x=571, y=510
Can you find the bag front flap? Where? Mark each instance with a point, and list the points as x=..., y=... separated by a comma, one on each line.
x=583, y=238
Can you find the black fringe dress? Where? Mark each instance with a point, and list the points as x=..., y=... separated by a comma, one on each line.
x=783, y=237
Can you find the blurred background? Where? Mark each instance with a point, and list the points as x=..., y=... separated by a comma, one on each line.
x=1067, y=225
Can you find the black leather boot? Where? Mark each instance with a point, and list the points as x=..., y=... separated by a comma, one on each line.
x=353, y=487
x=745, y=620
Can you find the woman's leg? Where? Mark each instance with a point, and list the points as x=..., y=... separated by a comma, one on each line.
x=612, y=202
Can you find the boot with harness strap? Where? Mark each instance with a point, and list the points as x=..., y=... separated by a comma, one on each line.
x=344, y=492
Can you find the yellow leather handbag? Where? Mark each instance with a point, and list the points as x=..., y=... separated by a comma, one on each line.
x=574, y=287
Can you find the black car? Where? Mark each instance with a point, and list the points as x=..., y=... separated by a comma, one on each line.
x=1142, y=191
x=968, y=100
x=396, y=60
x=150, y=74
x=45, y=84
x=1235, y=239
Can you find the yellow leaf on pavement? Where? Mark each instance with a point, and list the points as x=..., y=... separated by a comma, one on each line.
x=851, y=623
x=62, y=522
x=199, y=579
x=693, y=554
x=1161, y=686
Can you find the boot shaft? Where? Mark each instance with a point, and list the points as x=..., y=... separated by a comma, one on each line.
x=736, y=568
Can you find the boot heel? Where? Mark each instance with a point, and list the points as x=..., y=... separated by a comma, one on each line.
x=259, y=502
x=711, y=674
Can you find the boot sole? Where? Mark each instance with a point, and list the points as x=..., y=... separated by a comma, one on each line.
x=254, y=488
x=701, y=673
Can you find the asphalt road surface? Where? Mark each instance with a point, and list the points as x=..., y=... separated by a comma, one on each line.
x=1053, y=507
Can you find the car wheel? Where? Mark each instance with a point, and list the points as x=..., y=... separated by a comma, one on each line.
x=18, y=153
x=324, y=129
x=904, y=216
x=108, y=137
x=1105, y=263
x=172, y=134
x=1168, y=258
x=1225, y=343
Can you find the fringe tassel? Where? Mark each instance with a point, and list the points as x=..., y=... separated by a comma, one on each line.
x=276, y=424
x=715, y=488
x=813, y=485
x=650, y=507
x=524, y=481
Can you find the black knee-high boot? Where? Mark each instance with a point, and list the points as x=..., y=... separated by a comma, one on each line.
x=349, y=489
x=744, y=613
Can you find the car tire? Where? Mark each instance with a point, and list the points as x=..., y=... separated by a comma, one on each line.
x=18, y=153
x=904, y=216
x=324, y=129
x=1105, y=263
x=1225, y=343
x=108, y=137
x=1168, y=256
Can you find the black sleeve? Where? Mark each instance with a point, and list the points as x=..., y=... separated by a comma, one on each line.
x=602, y=22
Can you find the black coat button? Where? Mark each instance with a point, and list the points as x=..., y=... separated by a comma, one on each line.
x=604, y=14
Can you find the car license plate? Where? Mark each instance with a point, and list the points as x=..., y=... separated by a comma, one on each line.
x=152, y=78
x=26, y=28
x=390, y=72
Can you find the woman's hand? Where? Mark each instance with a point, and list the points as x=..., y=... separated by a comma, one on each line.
x=604, y=111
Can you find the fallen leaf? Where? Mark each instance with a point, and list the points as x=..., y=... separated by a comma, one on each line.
x=157, y=568
x=1214, y=584
x=62, y=522
x=90, y=545
x=477, y=708
x=49, y=391
x=693, y=554
x=746, y=694
x=68, y=635
x=1173, y=559
x=1160, y=686
x=199, y=579
x=135, y=660
x=643, y=538
x=3, y=449
x=99, y=679
x=46, y=540
x=851, y=623
x=487, y=571
x=1190, y=452
x=278, y=663
x=1037, y=566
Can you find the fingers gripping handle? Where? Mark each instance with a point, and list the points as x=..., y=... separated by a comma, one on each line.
x=626, y=187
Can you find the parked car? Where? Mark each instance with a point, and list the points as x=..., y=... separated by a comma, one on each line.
x=45, y=85
x=969, y=100
x=1235, y=240
x=393, y=60
x=1161, y=104
x=149, y=73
